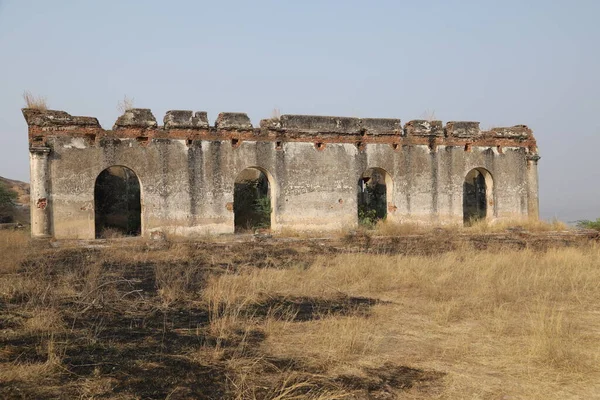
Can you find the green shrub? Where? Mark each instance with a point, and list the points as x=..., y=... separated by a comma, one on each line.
x=8, y=199
x=587, y=224
x=372, y=205
x=367, y=217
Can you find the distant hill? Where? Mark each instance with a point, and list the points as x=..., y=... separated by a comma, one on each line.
x=22, y=188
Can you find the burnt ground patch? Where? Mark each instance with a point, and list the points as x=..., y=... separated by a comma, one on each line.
x=21, y=349
x=117, y=328
x=381, y=382
x=272, y=253
x=311, y=308
x=150, y=368
x=149, y=356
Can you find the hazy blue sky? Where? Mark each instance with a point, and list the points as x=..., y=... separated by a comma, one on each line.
x=498, y=62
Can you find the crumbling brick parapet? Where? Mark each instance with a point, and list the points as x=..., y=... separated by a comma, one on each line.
x=463, y=129
x=48, y=120
x=515, y=132
x=136, y=118
x=239, y=121
x=187, y=125
x=185, y=119
x=424, y=128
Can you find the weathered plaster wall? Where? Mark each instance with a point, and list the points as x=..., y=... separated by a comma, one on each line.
x=187, y=169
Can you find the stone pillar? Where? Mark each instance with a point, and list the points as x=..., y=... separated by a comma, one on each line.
x=533, y=202
x=39, y=192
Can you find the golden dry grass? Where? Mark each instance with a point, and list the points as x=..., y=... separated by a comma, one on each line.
x=527, y=319
x=31, y=372
x=495, y=324
x=14, y=247
x=389, y=228
x=531, y=225
x=275, y=114
x=34, y=371
x=35, y=102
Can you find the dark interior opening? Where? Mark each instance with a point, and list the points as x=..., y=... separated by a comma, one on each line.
x=251, y=201
x=474, y=197
x=117, y=203
x=372, y=197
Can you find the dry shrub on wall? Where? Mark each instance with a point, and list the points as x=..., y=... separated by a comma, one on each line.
x=35, y=102
x=275, y=114
x=126, y=104
x=428, y=115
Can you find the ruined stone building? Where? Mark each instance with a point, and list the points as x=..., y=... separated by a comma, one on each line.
x=307, y=173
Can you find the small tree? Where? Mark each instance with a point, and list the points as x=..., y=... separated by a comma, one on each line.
x=8, y=199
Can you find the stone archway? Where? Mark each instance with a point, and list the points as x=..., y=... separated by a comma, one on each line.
x=477, y=196
x=252, y=200
x=117, y=203
x=375, y=190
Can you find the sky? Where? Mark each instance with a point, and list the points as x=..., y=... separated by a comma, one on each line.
x=502, y=63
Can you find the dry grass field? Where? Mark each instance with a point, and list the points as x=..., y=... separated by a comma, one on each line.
x=426, y=318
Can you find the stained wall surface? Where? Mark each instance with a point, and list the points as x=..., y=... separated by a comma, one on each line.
x=187, y=169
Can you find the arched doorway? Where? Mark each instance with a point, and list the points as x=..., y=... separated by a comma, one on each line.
x=374, y=192
x=477, y=195
x=117, y=203
x=252, y=201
